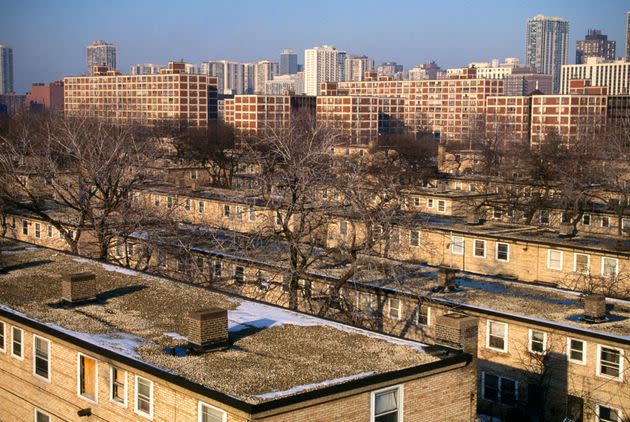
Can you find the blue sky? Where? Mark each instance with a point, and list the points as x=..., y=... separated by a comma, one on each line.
x=49, y=36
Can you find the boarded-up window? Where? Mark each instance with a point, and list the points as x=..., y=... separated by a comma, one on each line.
x=87, y=377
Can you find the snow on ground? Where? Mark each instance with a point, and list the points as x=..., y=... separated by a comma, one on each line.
x=300, y=388
x=258, y=315
x=176, y=336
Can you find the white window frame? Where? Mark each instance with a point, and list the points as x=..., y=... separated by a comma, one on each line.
x=411, y=237
x=428, y=324
x=398, y=310
x=416, y=201
x=441, y=205
x=549, y=252
x=252, y=214
x=3, y=345
x=202, y=404
x=135, y=398
x=599, y=363
x=373, y=394
x=201, y=207
x=40, y=411
x=496, y=251
x=21, y=355
x=95, y=400
x=475, y=248
x=584, y=345
x=369, y=302
x=430, y=203
x=483, y=388
x=49, y=369
x=604, y=258
x=607, y=220
x=460, y=245
x=37, y=231
x=531, y=338
x=588, y=263
x=505, y=337
x=619, y=412
x=111, y=386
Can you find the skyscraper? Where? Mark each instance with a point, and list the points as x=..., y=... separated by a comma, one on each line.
x=628, y=36
x=547, y=46
x=6, y=69
x=288, y=62
x=100, y=53
x=322, y=64
x=230, y=75
x=595, y=44
x=265, y=70
x=356, y=66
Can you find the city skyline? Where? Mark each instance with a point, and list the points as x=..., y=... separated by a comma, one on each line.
x=423, y=33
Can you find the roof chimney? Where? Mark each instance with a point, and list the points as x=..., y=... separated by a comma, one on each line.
x=446, y=281
x=565, y=230
x=208, y=329
x=594, y=308
x=458, y=331
x=78, y=288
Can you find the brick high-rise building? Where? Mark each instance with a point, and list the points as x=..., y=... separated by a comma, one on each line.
x=100, y=53
x=547, y=46
x=322, y=64
x=449, y=108
x=6, y=69
x=595, y=44
x=47, y=96
x=288, y=62
x=171, y=95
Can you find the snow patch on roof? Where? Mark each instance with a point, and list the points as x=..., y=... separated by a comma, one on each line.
x=300, y=388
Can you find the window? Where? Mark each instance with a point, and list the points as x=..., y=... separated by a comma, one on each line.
x=143, y=403
x=87, y=379
x=209, y=413
x=38, y=230
x=156, y=200
x=430, y=203
x=16, y=342
x=441, y=205
x=544, y=217
x=581, y=263
x=564, y=217
x=457, y=245
x=118, y=386
x=503, y=252
x=343, y=228
x=605, y=221
x=496, y=336
x=25, y=228
x=499, y=389
x=193, y=174
x=262, y=280
x=386, y=405
x=201, y=206
x=50, y=230
x=41, y=357
x=239, y=274
x=497, y=213
x=187, y=204
x=41, y=416
x=217, y=268
x=252, y=214
x=424, y=315
x=394, y=308
x=365, y=302
x=586, y=220
x=479, y=248
x=609, y=267
x=239, y=213
x=537, y=341
x=2, y=337
x=576, y=351
x=625, y=224
x=554, y=259
x=608, y=414
x=609, y=362
x=416, y=201
x=414, y=238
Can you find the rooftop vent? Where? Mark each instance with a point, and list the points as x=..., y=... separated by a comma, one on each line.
x=458, y=331
x=446, y=281
x=594, y=308
x=473, y=218
x=442, y=187
x=208, y=329
x=78, y=288
x=566, y=230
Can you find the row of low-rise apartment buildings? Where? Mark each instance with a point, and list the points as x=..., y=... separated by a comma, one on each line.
x=537, y=350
